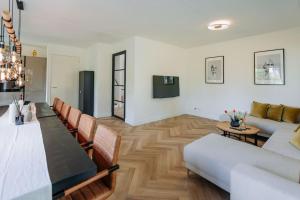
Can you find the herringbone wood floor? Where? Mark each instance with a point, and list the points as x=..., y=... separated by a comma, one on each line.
x=151, y=160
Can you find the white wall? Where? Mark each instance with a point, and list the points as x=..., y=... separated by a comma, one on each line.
x=239, y=89
x=99, y=60
x=147, y=57
x=156, y=58
x=41, y=50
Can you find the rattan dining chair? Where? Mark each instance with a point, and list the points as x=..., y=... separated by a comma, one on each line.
x=73, y=120
x=105, y=153
x=58, y=106
x=54, y=103
x=86, y=129
x=65, y=111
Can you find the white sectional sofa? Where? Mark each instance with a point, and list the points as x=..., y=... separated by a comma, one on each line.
x=252, y=183
x=269, y=127
x=218, y=158
x=280, y=134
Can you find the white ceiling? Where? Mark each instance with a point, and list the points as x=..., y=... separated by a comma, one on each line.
x=179, y=22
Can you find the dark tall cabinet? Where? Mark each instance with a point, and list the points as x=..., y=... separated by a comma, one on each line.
x=86, y=92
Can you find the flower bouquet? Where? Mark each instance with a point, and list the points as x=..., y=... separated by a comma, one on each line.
x=237, y=118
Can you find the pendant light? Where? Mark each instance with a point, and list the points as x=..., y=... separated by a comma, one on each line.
x=10, y=55
x=14, y=57
x=2, y=74
x=3, y=53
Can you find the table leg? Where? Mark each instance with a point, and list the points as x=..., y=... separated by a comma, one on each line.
x=224, y=133
x=255, y=139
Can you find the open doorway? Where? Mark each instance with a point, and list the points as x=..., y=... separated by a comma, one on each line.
x=119, y=85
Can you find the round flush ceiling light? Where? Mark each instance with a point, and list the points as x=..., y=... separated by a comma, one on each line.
x=219, y=25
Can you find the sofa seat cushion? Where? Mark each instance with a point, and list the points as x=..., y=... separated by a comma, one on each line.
x=215, y=156
x=280, y=143
x=251, y=183
x=268, y=126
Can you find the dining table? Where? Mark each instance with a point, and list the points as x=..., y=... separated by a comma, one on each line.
x=67, y=162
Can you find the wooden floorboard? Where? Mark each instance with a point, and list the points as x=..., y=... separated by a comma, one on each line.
x=152, y=164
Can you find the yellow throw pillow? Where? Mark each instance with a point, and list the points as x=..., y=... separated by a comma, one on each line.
x=295, y=141
x=298, y=128
x=275, y=112
x=291, y=114
x=259, y=109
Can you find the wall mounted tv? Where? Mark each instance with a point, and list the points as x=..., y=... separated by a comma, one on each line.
x=165, y=86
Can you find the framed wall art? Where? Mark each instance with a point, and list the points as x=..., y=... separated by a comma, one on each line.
x=214, y=70
x=269, y=67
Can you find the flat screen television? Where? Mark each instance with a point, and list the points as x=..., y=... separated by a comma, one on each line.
x=165, y=86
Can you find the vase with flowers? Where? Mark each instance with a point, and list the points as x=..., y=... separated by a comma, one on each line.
x=237, y=118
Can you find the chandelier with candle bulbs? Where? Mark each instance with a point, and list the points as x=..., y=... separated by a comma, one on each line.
x=10, y=46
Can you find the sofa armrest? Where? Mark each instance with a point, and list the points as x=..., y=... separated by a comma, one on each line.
x=249, y=182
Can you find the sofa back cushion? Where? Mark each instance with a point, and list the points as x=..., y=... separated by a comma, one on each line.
x=259, y=109
x=275, y=112
x=291, y=114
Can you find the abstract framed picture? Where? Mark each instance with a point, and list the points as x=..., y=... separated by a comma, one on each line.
x=214, y=70
x=269, y=67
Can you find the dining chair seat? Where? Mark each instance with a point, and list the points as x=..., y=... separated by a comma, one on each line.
x=95, y=191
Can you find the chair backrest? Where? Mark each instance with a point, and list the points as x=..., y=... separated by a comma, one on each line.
x=73, y=118
x=86, y=128
x=65, y=111
x=106, y=149
x=58, y=105
x=54, y=102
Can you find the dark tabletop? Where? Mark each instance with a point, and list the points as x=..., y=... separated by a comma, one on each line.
x=43, y=110
x=68, y=163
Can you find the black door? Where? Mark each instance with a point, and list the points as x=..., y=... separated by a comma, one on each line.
x=81, y=90
x=119, y=85
x=86, y=92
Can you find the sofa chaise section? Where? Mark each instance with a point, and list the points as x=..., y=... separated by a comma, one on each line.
x=214, y=156
x=280, y=143
x=249, y=183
